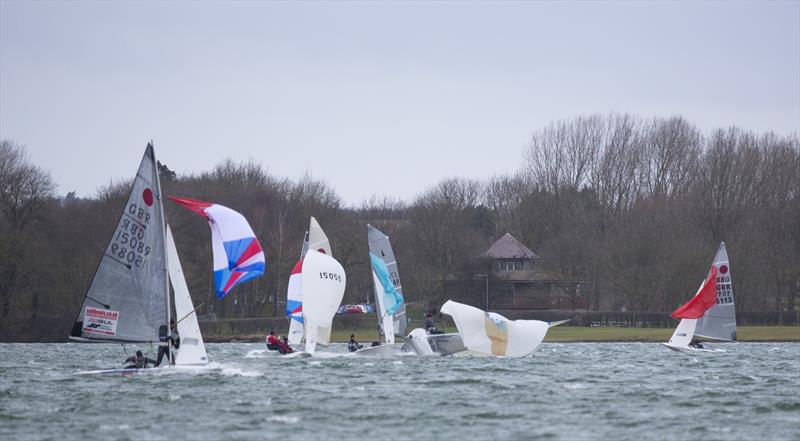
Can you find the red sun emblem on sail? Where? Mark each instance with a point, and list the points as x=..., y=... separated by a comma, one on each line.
x=147, y=195
x=723, y=269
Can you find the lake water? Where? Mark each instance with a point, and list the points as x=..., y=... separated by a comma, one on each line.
x=567, y=391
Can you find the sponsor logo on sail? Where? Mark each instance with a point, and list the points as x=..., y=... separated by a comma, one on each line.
x=100, y=321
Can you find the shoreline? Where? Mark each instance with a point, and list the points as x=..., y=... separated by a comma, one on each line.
x=570, y=334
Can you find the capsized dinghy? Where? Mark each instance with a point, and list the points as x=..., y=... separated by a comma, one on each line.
x=489, y=333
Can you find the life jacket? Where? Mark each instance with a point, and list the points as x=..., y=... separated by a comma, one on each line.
x=273, y=343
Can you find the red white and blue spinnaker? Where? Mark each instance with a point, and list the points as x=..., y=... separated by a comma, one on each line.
x=238, y=257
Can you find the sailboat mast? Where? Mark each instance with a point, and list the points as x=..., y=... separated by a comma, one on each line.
x=164, y=234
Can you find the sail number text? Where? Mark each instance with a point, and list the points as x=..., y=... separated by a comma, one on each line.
x=128, y=244
x=330, y=276
x=724, y=291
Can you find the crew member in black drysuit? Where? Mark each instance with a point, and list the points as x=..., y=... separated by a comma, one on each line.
x=353, y=345
x=429, y=324
x=174, y=341
x=695, y=343
x=139, y=361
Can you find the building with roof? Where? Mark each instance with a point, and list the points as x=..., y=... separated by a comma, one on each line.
x=515, y=278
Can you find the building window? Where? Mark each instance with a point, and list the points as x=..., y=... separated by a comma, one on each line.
x=509, y=265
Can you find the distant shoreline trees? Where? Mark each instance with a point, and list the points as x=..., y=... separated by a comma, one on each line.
x=635, y=206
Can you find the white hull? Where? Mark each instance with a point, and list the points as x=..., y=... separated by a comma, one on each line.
x=376, y=351
x=690, y=349
x=297, y=355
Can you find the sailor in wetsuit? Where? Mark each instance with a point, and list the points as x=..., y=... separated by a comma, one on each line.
x=353, y=345
x=139, y=361
x=695, y=343
x=284, y=348
x=430, y=325
x=273, y=344
x=174, y=342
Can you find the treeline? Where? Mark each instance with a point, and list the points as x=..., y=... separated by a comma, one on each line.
x=635, y=206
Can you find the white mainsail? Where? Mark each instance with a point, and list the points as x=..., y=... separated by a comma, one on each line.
x=719, y=322
x=488, y=333
x=127, y=300
x=192, y=350
x=385, y=320
x=324, y=282
x=381, y=246
x=317, y=240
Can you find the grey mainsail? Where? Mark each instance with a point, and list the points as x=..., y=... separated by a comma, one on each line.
x=719, y=322
x=380, y=246
x=128, y=299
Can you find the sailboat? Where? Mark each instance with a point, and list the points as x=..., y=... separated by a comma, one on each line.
x=315, y=291
x=324, y=281
x=487, y=333
x=711, y=313
x=128, y=299
x=390, y=307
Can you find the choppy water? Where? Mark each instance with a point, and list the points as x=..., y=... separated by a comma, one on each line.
x=562, y=391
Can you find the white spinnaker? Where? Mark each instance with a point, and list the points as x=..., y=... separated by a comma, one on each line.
x=489, y=333
x=386, y=321
x=192, y=350
x=683, y=333
x=324, y=281
x=719, y=322
x=318, y=241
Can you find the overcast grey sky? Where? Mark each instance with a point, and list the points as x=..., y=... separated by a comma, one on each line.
x=378, y=98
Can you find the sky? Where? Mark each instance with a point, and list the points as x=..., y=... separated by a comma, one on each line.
x=375, y=98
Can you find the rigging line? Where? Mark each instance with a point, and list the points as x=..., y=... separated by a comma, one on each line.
x=189, y=313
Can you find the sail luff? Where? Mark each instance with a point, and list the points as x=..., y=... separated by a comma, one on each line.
x=166, y=254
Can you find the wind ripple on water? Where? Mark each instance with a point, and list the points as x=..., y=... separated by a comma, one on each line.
x=627, y=391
